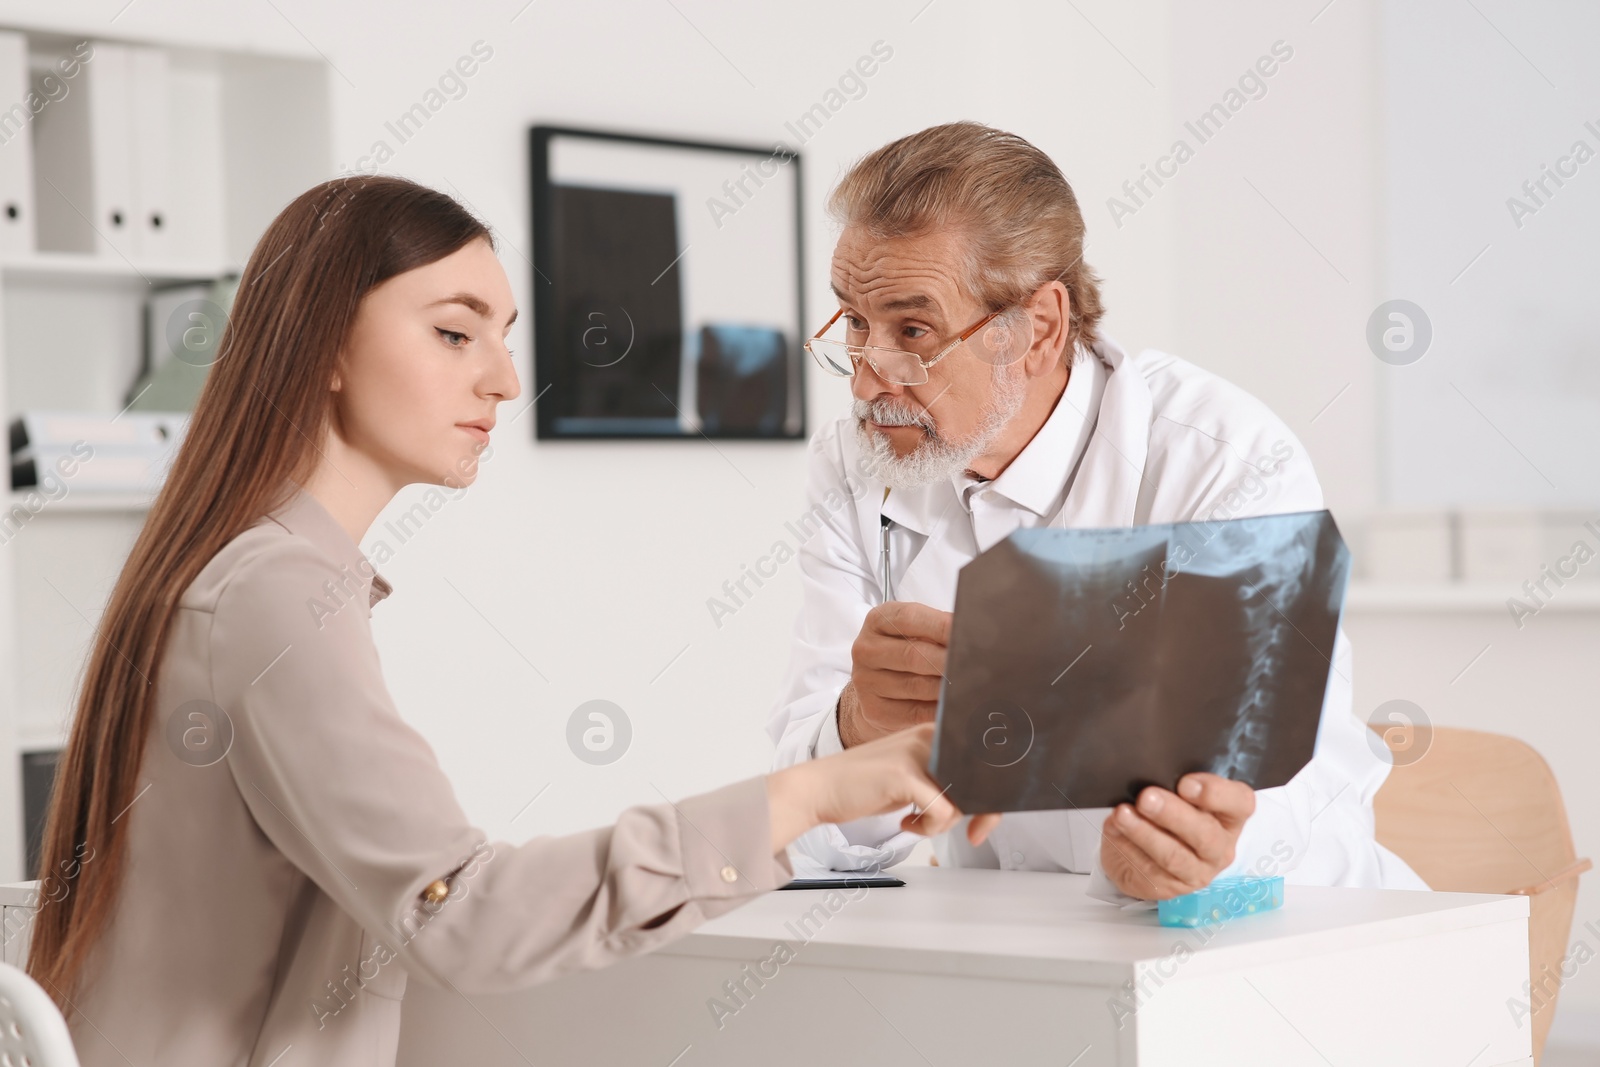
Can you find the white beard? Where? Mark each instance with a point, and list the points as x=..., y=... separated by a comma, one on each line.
x=935, y=457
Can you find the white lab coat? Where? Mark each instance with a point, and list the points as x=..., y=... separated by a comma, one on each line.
x=1133, y=441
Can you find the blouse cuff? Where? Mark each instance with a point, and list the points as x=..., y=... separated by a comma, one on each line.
x=725, y=840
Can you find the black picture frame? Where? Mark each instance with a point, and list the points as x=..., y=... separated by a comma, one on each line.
x=595, y=243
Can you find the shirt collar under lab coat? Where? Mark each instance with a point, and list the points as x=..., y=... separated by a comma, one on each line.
x=1037, y=478
x=304, y=515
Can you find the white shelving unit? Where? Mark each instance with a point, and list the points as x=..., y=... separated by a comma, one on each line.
x=102, y=502
x=48, y=267
x=247, y=132
x=1448, y=597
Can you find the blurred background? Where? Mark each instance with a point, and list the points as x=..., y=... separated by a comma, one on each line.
x=1389, y=239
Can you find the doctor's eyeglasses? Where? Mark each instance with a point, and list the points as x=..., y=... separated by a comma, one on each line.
x=995, y=343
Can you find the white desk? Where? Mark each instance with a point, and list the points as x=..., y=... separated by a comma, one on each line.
x=966, y=966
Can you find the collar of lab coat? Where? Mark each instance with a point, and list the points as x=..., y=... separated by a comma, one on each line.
x=1113, y=457
x=304, y=515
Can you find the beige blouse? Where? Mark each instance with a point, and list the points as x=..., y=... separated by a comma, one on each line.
x=288, y=822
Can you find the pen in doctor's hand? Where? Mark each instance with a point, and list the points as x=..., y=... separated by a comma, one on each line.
x=884, y=522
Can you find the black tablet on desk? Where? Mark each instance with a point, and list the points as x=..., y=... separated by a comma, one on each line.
x=841, y=880
x=1085, y=664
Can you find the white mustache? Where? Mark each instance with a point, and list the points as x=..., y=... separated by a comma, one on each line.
x=888, y=413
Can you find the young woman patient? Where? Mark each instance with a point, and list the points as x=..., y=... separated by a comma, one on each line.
x=248, y=850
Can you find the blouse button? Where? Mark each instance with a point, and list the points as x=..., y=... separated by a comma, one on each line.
x=729, y=874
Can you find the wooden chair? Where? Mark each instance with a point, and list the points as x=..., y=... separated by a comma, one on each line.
x=1481, y=813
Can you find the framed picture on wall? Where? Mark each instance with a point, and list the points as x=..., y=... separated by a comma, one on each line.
x=666, y=288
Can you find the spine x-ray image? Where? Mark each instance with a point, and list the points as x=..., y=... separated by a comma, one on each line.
x=1086, y=664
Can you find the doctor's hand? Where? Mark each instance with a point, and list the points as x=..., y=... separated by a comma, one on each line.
x=870, y=779
x=1175, y=843
x=897, y=663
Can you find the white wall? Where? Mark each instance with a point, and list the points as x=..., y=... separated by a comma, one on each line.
x=1276, y=297
x=1276, y=233
x=596, y=560
x=592, y=563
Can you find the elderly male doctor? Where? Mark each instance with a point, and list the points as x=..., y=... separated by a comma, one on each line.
x=986, y=399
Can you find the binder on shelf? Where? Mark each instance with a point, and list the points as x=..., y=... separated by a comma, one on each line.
x=198, y=186
x=107, y=181
x=116, y=473
x=105, y=85
x=83, y=148
x=93, y=453
x=131, y=430
x=16, y=149
x=152, y=155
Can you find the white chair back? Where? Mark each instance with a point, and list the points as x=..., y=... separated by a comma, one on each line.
x=32, y=1031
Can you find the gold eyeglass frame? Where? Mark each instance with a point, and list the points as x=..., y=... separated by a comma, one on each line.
x=859, y=352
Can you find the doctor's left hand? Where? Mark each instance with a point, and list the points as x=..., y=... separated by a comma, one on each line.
x=1175, y=843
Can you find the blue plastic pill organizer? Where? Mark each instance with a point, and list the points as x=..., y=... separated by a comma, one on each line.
x=1224, y=899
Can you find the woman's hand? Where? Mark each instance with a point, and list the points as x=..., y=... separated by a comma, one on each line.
x=868, y=779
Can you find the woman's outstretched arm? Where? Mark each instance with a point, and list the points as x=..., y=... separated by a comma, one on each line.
x=355, y=798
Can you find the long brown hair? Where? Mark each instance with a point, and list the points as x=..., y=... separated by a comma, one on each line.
x=256, y=430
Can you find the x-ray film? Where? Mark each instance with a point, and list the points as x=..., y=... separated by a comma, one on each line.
x=1086, y=664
